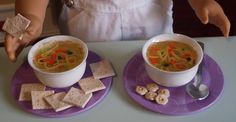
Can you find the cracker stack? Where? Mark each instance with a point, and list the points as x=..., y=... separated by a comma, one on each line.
x=38, y=101
x=56, y=102
x=25, y=93
x=77, y=97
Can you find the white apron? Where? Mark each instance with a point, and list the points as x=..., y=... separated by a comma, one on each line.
x=115, y=20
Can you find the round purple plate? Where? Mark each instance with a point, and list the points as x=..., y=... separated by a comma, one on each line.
x=180, y=103
x=25, y=75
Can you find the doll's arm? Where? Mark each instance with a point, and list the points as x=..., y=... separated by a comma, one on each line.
x=34, y=10
x=209, y=11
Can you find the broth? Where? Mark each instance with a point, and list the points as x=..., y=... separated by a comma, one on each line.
x=171, y=55
x=59, y=56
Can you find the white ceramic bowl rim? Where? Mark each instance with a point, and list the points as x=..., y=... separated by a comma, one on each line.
x=155, y=39
x=56, y=38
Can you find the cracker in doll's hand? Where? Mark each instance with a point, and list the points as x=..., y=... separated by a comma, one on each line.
x=16, y=25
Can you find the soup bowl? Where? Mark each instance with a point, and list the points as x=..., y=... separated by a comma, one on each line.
x=172, y=78
x=63, y=78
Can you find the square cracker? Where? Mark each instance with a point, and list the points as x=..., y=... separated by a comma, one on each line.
x=90, y=85
x=25, y=92
x=56, y=102
x=16, y=25
x=77, y=97
x=38, y=101
x=102, y=69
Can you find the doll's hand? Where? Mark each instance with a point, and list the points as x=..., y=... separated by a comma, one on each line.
x=13, y=45
x=209, y=11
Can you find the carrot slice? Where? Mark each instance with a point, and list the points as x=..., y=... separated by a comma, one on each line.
x=153, y=60
x=54, y=56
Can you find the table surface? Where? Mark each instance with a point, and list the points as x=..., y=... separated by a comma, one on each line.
x=117, y=105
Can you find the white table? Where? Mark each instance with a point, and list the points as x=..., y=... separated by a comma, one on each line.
x=117, y=106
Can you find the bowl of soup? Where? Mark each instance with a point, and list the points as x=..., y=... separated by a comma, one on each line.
x=58, y=61
x=172, y=60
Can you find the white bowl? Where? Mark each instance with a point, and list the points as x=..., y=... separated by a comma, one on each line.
x=169, y=78
x=61, y=79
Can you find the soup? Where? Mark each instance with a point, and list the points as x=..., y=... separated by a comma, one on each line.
x=59, y=56
x=171, y=55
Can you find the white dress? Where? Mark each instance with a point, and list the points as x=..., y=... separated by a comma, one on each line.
x=116, y=20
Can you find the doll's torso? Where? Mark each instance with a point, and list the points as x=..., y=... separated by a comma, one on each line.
x=115, y=20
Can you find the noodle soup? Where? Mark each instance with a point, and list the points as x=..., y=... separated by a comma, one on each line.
x=171, y=55
x=59, y=56
x=58, y=61
x=171, y=60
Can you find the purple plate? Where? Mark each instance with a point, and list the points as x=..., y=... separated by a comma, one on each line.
x=180, y=103
x=25, y=75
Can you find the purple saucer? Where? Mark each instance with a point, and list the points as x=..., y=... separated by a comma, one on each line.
x=25, y=75
x=180, y=103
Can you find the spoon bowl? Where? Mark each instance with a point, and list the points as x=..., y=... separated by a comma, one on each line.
x=197, y=90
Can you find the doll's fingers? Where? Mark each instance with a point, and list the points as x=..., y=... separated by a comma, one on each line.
x=11, y=46
x=28, y=36
x=14, y=46
x=219, y=19
x=222, y=22
x=25, y=39
x=19, y=49
x=21, y=44
x=224, y=25
x=203, y=16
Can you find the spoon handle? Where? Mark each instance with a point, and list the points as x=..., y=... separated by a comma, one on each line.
x=198, y=77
